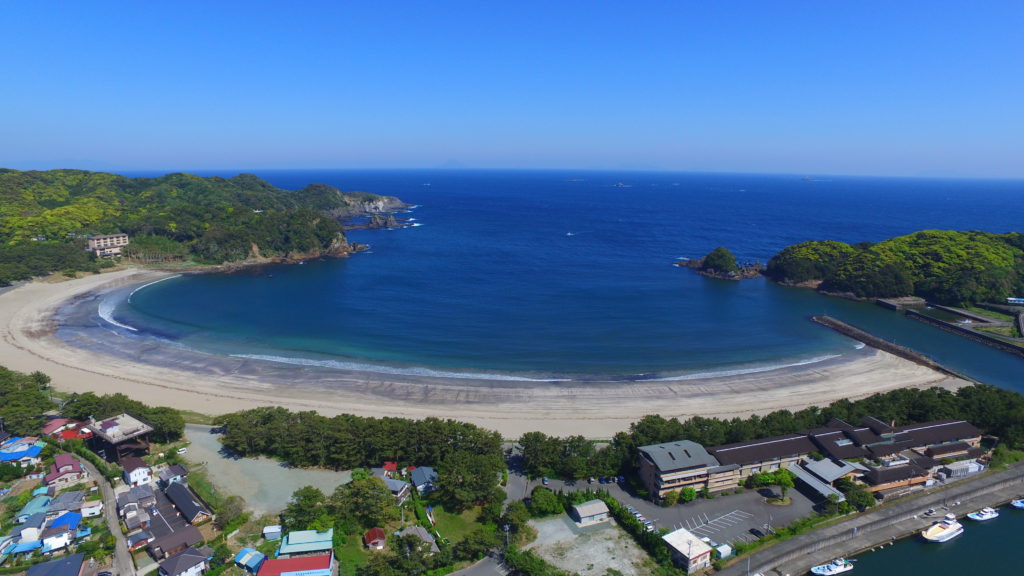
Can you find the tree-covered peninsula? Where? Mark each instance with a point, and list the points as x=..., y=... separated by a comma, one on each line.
x=944, y=266
x=45, y=218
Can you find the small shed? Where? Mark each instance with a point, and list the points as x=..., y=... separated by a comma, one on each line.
x=250, y=560
x=590, y=512
x=375, y=538
x=272, y=532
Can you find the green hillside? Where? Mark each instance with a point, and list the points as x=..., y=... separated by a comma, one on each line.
x=941, y=265
x=177, y=216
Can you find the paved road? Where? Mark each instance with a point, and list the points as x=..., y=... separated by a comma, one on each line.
x=123, y=565
x=885, y=524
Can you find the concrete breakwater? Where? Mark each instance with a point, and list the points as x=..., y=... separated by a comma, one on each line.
x=885, y=525
x=884, y=345
x=966, y=333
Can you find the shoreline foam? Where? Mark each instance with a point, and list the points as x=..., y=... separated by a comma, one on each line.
x=164, y=375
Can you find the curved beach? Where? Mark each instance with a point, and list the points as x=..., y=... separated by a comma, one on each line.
x=164, y=375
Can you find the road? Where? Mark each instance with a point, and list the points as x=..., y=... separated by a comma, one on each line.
x=123, y=565
x=884, y=525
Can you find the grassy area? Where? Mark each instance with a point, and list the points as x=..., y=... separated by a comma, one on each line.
x=1003, y=456
x=196, y=417
x=455, y=527
x=994, y=315
x=1006, y=331
x=351, y=555
x=203, y=488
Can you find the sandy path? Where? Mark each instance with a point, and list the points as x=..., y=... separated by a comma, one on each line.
x=596, y=410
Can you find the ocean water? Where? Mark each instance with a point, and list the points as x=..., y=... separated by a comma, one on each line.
x=534, y=274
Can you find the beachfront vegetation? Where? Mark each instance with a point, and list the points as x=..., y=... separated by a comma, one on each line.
x=23, y=399
x=719, y=261
x=994, y=410
x=167, y=423
x=45, y=218
x=944, y=266
x=468, y=458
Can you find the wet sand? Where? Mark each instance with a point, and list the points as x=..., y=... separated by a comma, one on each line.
x=210, y=384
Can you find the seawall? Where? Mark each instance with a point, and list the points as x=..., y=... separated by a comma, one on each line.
x=885, y=345
x=966, y=333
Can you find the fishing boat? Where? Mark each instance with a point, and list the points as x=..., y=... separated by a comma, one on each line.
x=1019, y=503
x=943, y=531
x=984, y=514
x=837, y=566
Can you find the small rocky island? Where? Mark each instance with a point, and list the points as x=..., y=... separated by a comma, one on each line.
x=720, y=263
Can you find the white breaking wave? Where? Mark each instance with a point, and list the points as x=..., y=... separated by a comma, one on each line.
x=340, y=365
x=415, y=224
x=150, y=284
x=741, y=371
x=106, y=311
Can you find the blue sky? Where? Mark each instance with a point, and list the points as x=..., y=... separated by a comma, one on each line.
x=884, y=88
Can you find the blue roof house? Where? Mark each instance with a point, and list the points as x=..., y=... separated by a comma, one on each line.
x=423, y=478
x=69, y=519
x=36, y=505
x=306, y=543
x=250, y=560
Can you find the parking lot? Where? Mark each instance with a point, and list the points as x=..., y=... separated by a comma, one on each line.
x=726, y=518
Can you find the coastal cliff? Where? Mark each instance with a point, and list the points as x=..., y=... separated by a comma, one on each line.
x=46, y=218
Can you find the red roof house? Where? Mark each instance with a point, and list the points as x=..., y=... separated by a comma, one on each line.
x=55, y=425
x=390, y=466
x=306, y=565
x=375, y=538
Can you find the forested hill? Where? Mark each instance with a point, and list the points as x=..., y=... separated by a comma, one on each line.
x=943, y=266
x=182, y=216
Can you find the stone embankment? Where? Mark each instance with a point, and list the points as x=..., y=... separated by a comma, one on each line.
x=884, y=345
x=966, y=333
x=884, y=525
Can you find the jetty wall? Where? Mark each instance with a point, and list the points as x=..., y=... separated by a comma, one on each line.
x=884, y=345
x=966, y=333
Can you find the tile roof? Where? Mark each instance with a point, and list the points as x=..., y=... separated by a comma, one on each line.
x=678, y=455
x=763, y=450
x=182, y=561
x=302, y=564
x=185, y=501
x=69, y=565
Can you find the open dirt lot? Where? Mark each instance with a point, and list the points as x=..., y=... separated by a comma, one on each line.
x=591, y=551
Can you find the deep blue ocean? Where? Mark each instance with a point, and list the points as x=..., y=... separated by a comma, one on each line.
x=538, y=273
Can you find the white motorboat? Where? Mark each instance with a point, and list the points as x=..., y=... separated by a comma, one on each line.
x=943, y=531
x=984, y=514
x=837, y=566
x=1017, y=503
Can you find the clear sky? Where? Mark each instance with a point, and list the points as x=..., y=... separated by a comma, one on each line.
x=905, y=88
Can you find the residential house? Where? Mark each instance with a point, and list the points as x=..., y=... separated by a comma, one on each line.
x=23, y=452
x=590, y=512
x=55, y=426
x=138, y=497
x=139, y=540
x=29, y=530
x=70, y=501
x=188, y=562
x=423, y=478
x=136, y=472
x=36, y=505
x=65, y=471
x=250, y=560
x=319, y=565
x=300, y=543
x=688, y=551
x=399, y=489
x=425, y=537
x=174, y=542
x=70, y=565
x=187, y=503
x=92, y=508
x=56, y=538
x=375, y=538
x=119, y=436
x=173, y=473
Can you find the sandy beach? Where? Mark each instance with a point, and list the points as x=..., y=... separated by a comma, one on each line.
x=215, y=385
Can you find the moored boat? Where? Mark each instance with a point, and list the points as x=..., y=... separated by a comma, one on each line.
x=1019, y=503
x=943, y=531
x=984, y=514
x=837, y=566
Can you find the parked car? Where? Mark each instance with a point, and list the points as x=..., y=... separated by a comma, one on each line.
x=544, y=480
x=181, y=450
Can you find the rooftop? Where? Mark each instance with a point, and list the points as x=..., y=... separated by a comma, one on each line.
x=291, y=565
x=591, y=508
x=764, y=449
x=120, y=428
x=678, y=455
x=686, y=543
x=302, y=541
